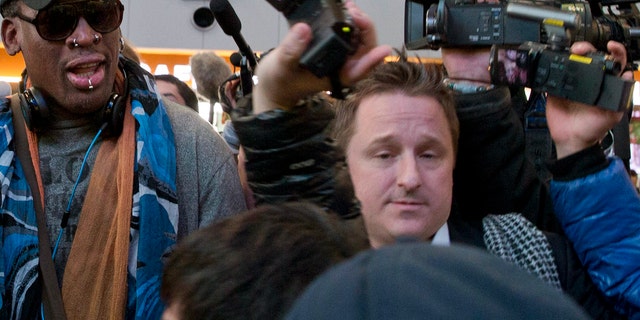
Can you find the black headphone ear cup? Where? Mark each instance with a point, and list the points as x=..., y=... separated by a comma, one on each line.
x=34, y=109
x=113, y=115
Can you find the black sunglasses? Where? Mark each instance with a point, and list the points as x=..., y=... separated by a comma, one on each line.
x=57, y=22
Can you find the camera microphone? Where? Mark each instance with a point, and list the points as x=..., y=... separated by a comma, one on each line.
x=566, y=19
x=231, y=25
x=209, y=71
x=235, y=59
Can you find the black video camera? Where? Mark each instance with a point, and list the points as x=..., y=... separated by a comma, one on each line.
x=457, y=23
x=542, y=63
x=591, y=79
x=333, y=33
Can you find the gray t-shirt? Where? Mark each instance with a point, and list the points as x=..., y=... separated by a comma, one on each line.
x=207, y=178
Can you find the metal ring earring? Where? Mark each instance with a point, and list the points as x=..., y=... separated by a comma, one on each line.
x=122, y=44
x=75, y=43
x=96, y=38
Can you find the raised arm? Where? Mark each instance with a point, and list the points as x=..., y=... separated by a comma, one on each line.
x=593, y=197
x=283, y=82
x=493, y=174
x=283, y=125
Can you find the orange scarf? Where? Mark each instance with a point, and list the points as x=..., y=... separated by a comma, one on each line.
x=95, y=277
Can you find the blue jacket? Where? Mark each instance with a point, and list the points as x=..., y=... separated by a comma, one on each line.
x=600, y=214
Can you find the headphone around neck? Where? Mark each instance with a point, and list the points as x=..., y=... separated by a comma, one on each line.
x=36, y=112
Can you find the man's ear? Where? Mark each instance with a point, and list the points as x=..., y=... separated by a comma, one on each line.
x=10, y=36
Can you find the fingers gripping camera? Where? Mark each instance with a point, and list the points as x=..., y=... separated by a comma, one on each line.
x=334, y=34
x=562, y=74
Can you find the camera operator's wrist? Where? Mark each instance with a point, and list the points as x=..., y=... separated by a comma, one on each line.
x=468, y=86
x=579, y=164
x=569, y=148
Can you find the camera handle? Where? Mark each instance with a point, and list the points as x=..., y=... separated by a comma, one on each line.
x=246, y=76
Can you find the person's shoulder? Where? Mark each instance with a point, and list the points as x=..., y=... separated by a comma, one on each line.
x=183, y=118
x=191, y=130
x=5, y=103
x=5, y=106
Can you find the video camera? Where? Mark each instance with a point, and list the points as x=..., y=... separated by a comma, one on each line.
x=456, y=23
x=562, y=74
x=333, y=32
x=530, y=46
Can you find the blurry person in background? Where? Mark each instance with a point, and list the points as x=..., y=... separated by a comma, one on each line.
x=177, y=91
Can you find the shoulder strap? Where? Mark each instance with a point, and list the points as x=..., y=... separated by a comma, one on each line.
x=51, y=296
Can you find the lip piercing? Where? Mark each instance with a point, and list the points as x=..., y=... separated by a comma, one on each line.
x=75, y=43
x=96, y=38
x=90, y=85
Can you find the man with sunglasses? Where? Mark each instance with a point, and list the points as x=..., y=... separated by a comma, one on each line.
x=100, y=175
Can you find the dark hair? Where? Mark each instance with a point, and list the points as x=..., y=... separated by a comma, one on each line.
x=9, y=9
x=255, y=264
x=189, y=96
x=403, y=76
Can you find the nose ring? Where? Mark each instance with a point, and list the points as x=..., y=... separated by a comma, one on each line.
x=96, y=38
x=75, y=43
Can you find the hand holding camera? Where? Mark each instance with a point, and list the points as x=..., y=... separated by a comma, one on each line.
x=574, y=126
x=334, y=34
x=592, y=78
x=283, y=81
x=530, y=45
